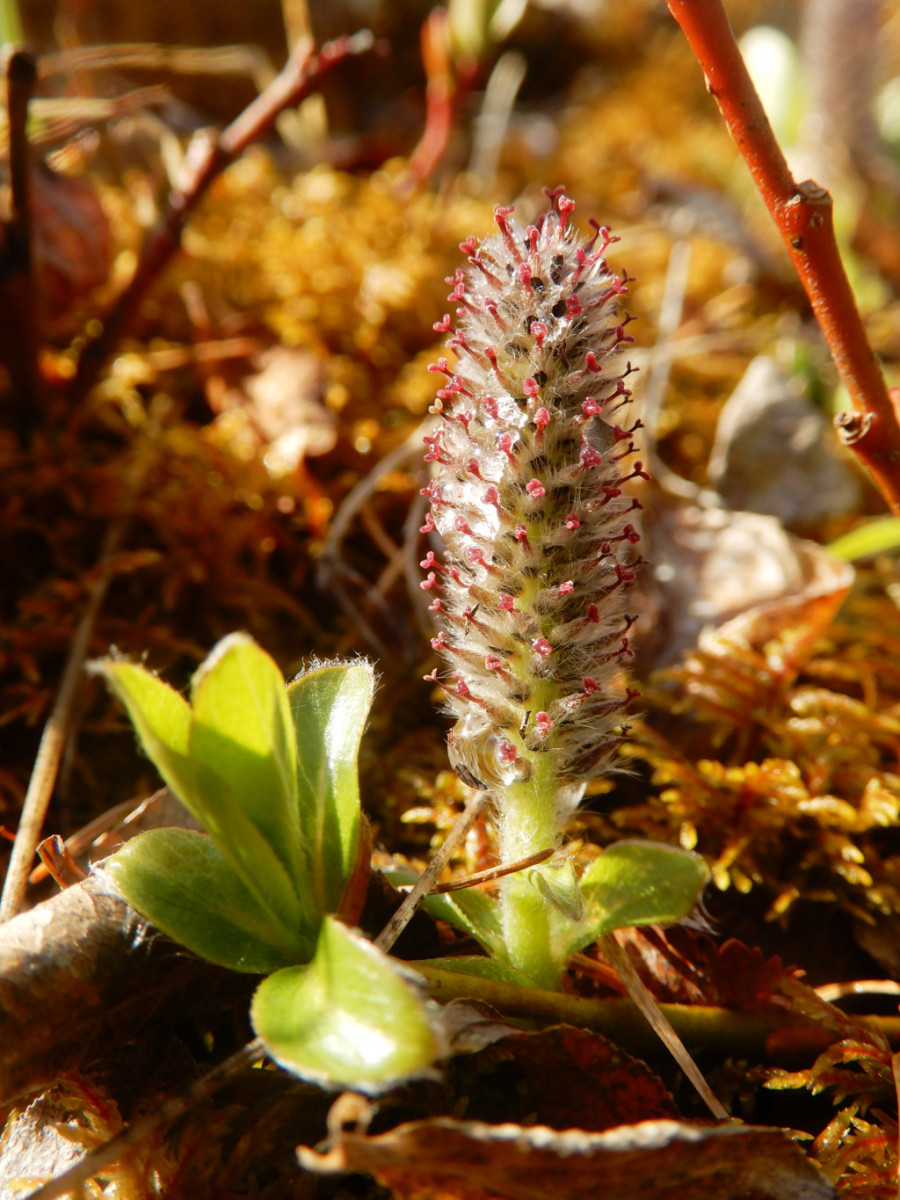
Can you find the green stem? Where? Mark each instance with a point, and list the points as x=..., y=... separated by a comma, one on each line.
x=729, y=1031
x=528, y=825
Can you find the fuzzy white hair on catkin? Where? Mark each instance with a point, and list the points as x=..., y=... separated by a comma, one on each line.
x=527, y=491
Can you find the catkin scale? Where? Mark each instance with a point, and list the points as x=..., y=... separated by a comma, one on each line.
x=528, y=466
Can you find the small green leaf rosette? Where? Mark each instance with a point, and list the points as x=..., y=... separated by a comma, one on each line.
x=347, y=1019
x=630, y=883
x=251, y=895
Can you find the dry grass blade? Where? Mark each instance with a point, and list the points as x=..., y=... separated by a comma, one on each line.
x=426, y=881
x=660, y=1022
x=53, y=740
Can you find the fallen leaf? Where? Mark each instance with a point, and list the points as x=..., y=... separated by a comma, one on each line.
x=277, y=408
x=562, y=1077
x=775, y=452
x=79, y=973
x=668, y=1160
x=681, y=966
x=723, y=577
x=44, y=1138
x=72, y=247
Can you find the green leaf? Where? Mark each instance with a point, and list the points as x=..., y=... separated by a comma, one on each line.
x=242, y=730
x=329, y=705
x=480, y=968
x=163, y=721
x=182, y=883
x=632, y=883
x=347, y=1019
x=874, y=537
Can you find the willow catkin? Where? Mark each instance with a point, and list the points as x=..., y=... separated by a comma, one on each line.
x=529, y=464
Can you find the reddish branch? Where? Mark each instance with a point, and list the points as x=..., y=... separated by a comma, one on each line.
x=450, y=79
x=802, y=212
x=208, y=155
x=441, y=96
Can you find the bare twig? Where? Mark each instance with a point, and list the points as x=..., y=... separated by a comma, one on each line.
x=190, y=1098
x=491, y=875
x=441, y=98
x=53, y=740
x=802, y=212
x=18, y=329
x=207, y=157
x=426, y=881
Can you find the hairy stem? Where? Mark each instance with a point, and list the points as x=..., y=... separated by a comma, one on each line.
x=529, y=825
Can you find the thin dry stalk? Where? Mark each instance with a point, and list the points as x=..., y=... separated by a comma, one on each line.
x=52, y=744
x=660, y=1023
x=424, y=885
x=207, y=156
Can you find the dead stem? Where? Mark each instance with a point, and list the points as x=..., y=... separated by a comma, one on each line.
x=207, y=156
x=803, y=215
x=53, y=740
x=426, y=881
x=660, y=1023
x=491, y=125
x=18, y=335
x=491, y=875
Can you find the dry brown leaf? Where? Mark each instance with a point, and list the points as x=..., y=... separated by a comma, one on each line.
x=278, y=406
x=685, y=966
x=776, y=453
x=668, y=1160
x=81, y=973
x=563, y=1077
x=72, y=245
x=48, y=1136
x=725, y=578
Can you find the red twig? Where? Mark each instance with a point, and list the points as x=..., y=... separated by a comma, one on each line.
x=207, y=156
x=802, y=212
x=449, y=81
x=441, y=97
